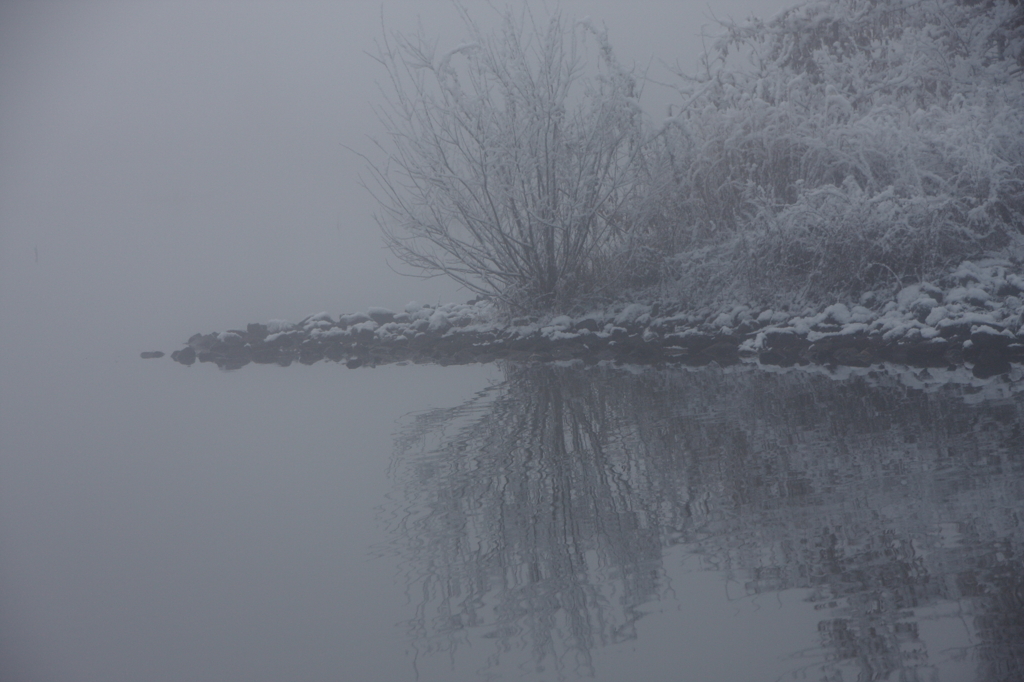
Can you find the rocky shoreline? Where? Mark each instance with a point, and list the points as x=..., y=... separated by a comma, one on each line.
x=972, y=318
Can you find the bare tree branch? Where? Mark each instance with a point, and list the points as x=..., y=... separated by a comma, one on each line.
x=508, y=160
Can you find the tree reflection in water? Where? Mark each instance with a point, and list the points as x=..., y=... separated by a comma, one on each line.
x=537, y=513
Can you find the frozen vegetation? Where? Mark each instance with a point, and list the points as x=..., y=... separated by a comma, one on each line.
x=840, y=147
x=842, y=184
x=845, y=147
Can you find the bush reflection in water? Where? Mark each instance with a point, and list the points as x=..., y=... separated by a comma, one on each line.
x=537, y=513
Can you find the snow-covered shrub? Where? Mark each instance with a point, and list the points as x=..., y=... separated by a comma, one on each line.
x=844, y=143
x=511, y=159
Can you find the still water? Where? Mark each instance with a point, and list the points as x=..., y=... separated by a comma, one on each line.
x=513, y=522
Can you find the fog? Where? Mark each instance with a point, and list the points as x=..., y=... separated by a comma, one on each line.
x=180, y=167
x=170, y=168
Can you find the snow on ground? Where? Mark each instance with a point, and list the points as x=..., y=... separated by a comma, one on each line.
x=987, y=296
x=979, y=305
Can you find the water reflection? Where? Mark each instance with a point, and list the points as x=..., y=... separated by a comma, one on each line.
x=539, y=513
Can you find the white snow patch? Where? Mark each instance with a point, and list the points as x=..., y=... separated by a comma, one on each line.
x=723, y=320
x=861, y=314
x=320, y=317
x=838, y=312
x=439, y=321
x=278, y=326
x=908, y=295
x=973, y=295
x=936, y=315
x=801, y=325
x=630, y=313
x=969, y=318
x=752, y=345
x=369, y=325
x=985, y=329
x=851, y=328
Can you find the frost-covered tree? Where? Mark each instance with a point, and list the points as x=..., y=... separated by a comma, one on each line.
x=845, y=142
x=510, y=160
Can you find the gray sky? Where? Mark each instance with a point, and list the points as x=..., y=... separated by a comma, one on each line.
x=171, y=167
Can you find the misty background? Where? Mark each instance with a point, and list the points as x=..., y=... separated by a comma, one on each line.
x=169, y=168
x=177, y=167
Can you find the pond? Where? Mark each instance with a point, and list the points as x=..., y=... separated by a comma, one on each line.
x=511, y=522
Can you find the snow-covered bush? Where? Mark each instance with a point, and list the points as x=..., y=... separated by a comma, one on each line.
x=844, y=143
x=511, y=160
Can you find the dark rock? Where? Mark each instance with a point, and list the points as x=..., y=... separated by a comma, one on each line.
x=931, y=353
x=186, y=356
x=987, y=339
x=381, y=315
x=783, y=348
x=618, y=334
x=829, y=345
x=785, y=340
x=956, y=330
x=533, y=343
x=987, y=347
x=922, y=307
x=954, y=355
x=638, y=351
x=589, y=324
x=232, y=337
x=852, y=357
x=151, y=354
x=256, y=332
x=991, y=366
x=748, y=326
x=202, y=342
x=1008, y=289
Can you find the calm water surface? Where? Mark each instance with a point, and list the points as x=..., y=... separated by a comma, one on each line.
x=509, y=523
